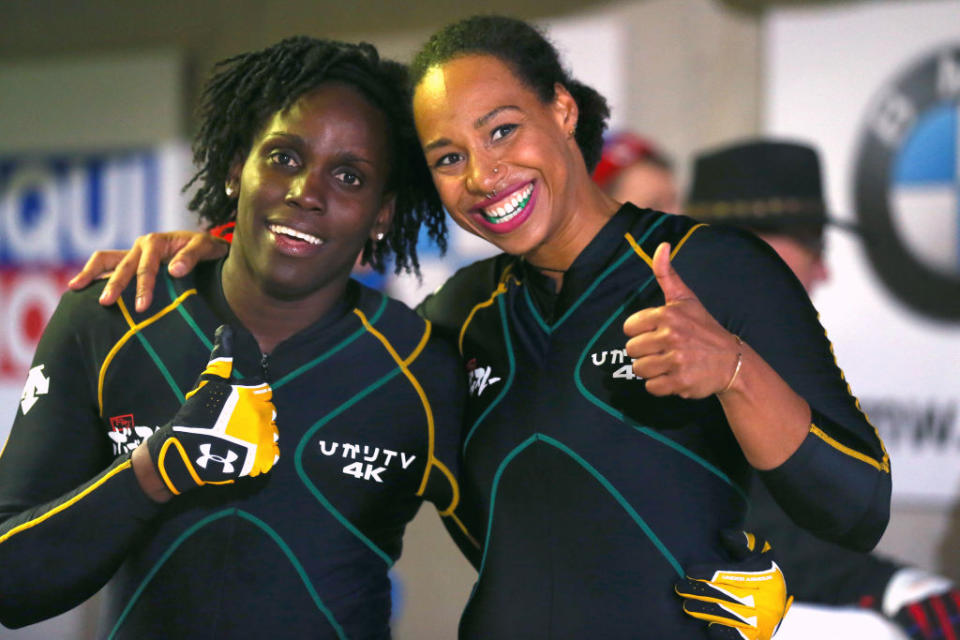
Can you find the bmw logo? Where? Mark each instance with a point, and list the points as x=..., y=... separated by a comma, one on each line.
x=907, y=184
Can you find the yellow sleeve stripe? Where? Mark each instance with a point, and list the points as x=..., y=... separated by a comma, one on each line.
x=66, y=505
x=416, y=385
x=501, y=288
x=885, y=462
x=132, y=331
x=463, y=529
x=673, y=250
x=882, y=465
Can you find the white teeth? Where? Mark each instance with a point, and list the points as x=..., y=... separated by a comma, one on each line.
x=511, y=207
x=293, y=233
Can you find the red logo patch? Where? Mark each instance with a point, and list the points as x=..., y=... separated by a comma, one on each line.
x=120, y=422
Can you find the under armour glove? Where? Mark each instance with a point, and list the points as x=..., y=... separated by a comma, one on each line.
x=223, y=431
x=746, y=600
x=926, y=606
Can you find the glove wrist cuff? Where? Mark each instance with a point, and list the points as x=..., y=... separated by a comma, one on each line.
x=171, y=461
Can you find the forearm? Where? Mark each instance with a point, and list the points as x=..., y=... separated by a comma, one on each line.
x=768, y=419
x=58, y=554
x=147, y=476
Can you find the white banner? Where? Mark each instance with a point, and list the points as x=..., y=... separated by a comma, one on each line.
x=55, y=210
x=876, y=87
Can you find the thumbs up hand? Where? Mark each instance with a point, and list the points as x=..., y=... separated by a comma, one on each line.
x=223, y=431
x=679, y=348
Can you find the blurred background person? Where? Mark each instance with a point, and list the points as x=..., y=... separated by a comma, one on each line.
x=634, y=169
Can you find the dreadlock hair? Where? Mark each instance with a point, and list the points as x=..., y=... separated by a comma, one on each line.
x=533, y=60
x=247, y=89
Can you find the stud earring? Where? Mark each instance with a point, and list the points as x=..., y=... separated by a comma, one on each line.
x=229, y=190
x=379, y=236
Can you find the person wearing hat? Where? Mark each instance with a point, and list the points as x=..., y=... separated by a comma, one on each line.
x=773, y=188
x=633, y=169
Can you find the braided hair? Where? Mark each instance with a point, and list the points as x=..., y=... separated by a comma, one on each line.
x=247, y=89
x=533, y=60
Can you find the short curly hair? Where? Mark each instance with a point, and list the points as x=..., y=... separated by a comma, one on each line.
x=533, y=59
x=247, y=89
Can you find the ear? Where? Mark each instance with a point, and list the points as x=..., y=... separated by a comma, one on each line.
x=233, y=176
x=384, y=216
x=565, y=108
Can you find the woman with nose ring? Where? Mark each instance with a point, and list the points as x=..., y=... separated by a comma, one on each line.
x=648, y=367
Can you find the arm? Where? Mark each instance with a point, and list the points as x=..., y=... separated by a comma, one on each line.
x=681, y=349
x=182, y=248
x=67, y=513
x=441, y=373
x=788, y=405
x=62, y=534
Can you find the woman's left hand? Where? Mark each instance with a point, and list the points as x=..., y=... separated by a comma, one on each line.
x=679, y=348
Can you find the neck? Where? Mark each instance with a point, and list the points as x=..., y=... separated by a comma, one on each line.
x=269, y=318
x=593, y=209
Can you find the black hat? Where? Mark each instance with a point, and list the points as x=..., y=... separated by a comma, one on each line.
x=763, y=185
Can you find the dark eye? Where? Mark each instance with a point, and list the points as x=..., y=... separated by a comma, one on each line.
x=283, y=159
x=348, y=178
x=447, y=160
x=502, y=131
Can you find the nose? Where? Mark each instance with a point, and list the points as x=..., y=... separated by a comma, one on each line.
x=306, y=192
x=484, y=173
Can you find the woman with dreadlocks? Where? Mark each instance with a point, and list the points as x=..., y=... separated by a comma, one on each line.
x=309, y=146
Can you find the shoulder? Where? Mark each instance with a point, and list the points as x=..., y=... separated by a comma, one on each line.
x=474, y=284
x=721, y=254
x=409, y=333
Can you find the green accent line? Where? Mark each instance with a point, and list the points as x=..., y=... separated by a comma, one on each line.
x=181, y=309
x=536, y=314
x=199, y=525
x=162, y=367
x=608, y=271
x=299, y=568
x=662, y=548
x=606, y=484
x=509, y=381
x=309, y=365
x=298, y=463
x=619, y=415
x=188, y=318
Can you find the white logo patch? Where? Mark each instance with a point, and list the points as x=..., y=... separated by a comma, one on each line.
x=37, y=385
x=206, y=457
x=623, y=364
x=375, y=460
x=126, y=439
x=480, y=378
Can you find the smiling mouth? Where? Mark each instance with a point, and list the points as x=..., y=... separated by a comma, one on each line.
x=510, y=208
x=279, y=229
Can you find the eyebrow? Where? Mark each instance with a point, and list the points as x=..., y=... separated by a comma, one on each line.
x=478, y=123
x=347, y=156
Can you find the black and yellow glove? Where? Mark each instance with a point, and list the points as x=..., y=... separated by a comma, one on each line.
x=223, y=431
x=745, y=600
